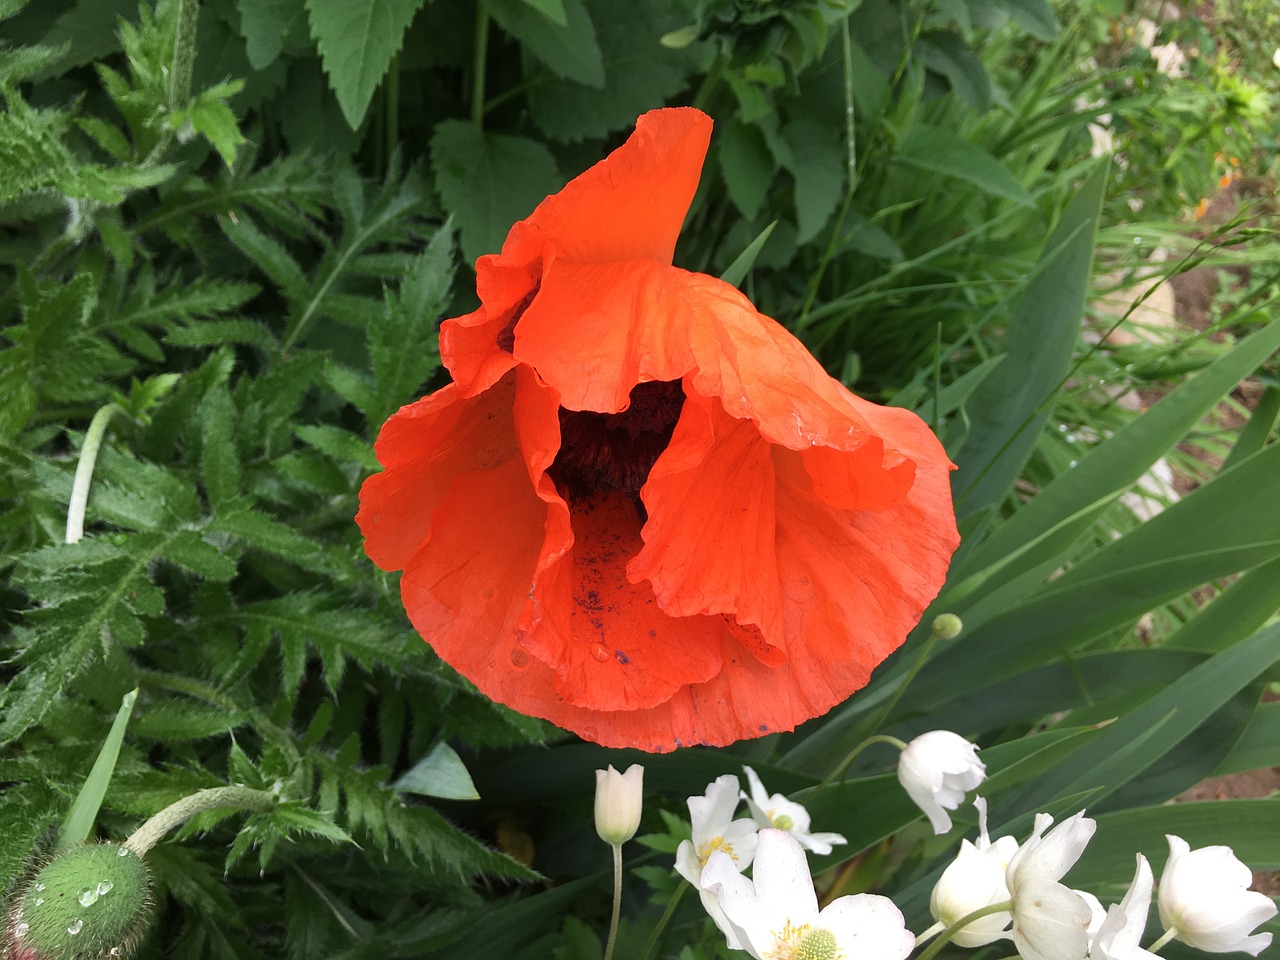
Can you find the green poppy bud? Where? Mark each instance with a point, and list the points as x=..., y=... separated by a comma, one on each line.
x=89, y=903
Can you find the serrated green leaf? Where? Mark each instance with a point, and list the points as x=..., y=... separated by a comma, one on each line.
x=192, y=552
x=209, y=115
x=172, y=721
x=640, y=74
x=567, y=47
x=488, y=181
x=337, y=443
x=265, y=24
x=219, y=459
x=266, y=253
x=817, y=163
x=747, y=165
x=265, y=533
x=357, y=42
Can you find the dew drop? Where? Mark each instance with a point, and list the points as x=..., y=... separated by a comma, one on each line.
x=519, y=658
x=39, y=887
x=123, y=852
x=1071, y=438
x=590, y=733
x=600, y=652
x=37, y=901
x=493, y=664
x=114, y=952
x=87, y=897
x=75, y=926
x=21, y=929
x=105, y=887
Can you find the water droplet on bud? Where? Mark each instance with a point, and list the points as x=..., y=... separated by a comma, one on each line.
x=39, y=887
x=105, y=887
x=21, y=929
x=123, y=852
x=75, y=926
x=87, y=897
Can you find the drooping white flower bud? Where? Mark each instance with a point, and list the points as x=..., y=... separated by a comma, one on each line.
x=936, y=769
x=618, y=803
x=1205, y=898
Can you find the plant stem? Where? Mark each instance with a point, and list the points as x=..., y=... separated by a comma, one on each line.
x=1164, y=938
x=391, y=92
x=652, y=943
x=933, y=931
x=478, y=63
x=921, y=657
x=617, y=900
x=849, y=757
x=176, y=814
x=84, y=471
x=184, y=54
x=931, y=951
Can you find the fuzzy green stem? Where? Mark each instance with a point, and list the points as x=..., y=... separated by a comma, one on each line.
x=651, y=944
x=926, y=648
x=176, y=814
x=1164, y=938
x=184, y=54
x=84, y=471
x=617, y=900
x=479, y=60
x=852, y=754
x=931, y=951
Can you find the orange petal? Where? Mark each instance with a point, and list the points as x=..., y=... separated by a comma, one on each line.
x=709, y=537
x=610, y=645
x=424, y=448
x=631, y=204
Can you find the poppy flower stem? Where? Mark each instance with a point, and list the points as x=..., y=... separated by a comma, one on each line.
x=478, y=63
x=84, y=471
x=650, y=946
x=617, y=900
x=945, y=627
x=179, y=812
x=944, y=938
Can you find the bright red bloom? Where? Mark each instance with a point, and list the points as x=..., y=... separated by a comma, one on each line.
x=642, y=510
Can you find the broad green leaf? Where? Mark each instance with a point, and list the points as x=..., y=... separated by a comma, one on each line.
x=552, y=9
x=1259, y=745
x=265, y=24
x=568, y=47
x=1214, y=532
x=946, y=53
x=1034, y=16
x=1127, y=748
x=747, y=165
x=357, y=42
x=640, y=74
x=488, y=181
x=1255, y=434
x=1009, y=409
x=1117, y=462
x=818, y=165
x=441, y=773
x=84, y=810
x=1247, y=826
x=942, y=152
x=1242, y=607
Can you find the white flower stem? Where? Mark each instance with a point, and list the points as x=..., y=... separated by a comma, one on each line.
x=84, y=472
x=1164, y=938
x=179, y=812
x=933, y=931
x=617, y=900
x=652, y=943
x=843, y=765
x=931, y=951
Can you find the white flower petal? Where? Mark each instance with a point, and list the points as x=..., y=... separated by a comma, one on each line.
x=935, y=769
x=868, y=927
x=1048, y=858
x=1119, y=935
x=1050, y=922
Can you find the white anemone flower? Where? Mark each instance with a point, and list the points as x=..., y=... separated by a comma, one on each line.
x=1205, y=900
x=1118, y=936
x=936, y=769
x=1050, y=921
x=973, y=880
x=715, y=831
x=775, y=914
x=782, y=814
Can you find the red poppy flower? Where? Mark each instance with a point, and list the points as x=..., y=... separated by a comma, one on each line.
x=642, y=510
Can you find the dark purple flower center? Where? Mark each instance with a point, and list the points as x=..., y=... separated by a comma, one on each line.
x=614, y=452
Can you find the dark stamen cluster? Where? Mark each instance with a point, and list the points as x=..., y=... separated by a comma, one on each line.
x=614, y=452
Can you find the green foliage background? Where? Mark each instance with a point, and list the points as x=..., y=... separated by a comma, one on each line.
x=239, y=242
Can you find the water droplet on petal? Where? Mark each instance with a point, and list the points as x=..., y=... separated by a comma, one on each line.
x=590, y=733
x=21, y=929
x=600, y=652
x=75, y=926
x=87, y=897
x=519, y=658
x=493, y=664
x=105, y=887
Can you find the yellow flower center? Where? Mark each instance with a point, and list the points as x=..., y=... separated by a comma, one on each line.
x=782, y=821
x=711, y=846
x=806, y=943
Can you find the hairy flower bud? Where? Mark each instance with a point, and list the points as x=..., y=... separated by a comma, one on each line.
x=89, y=903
